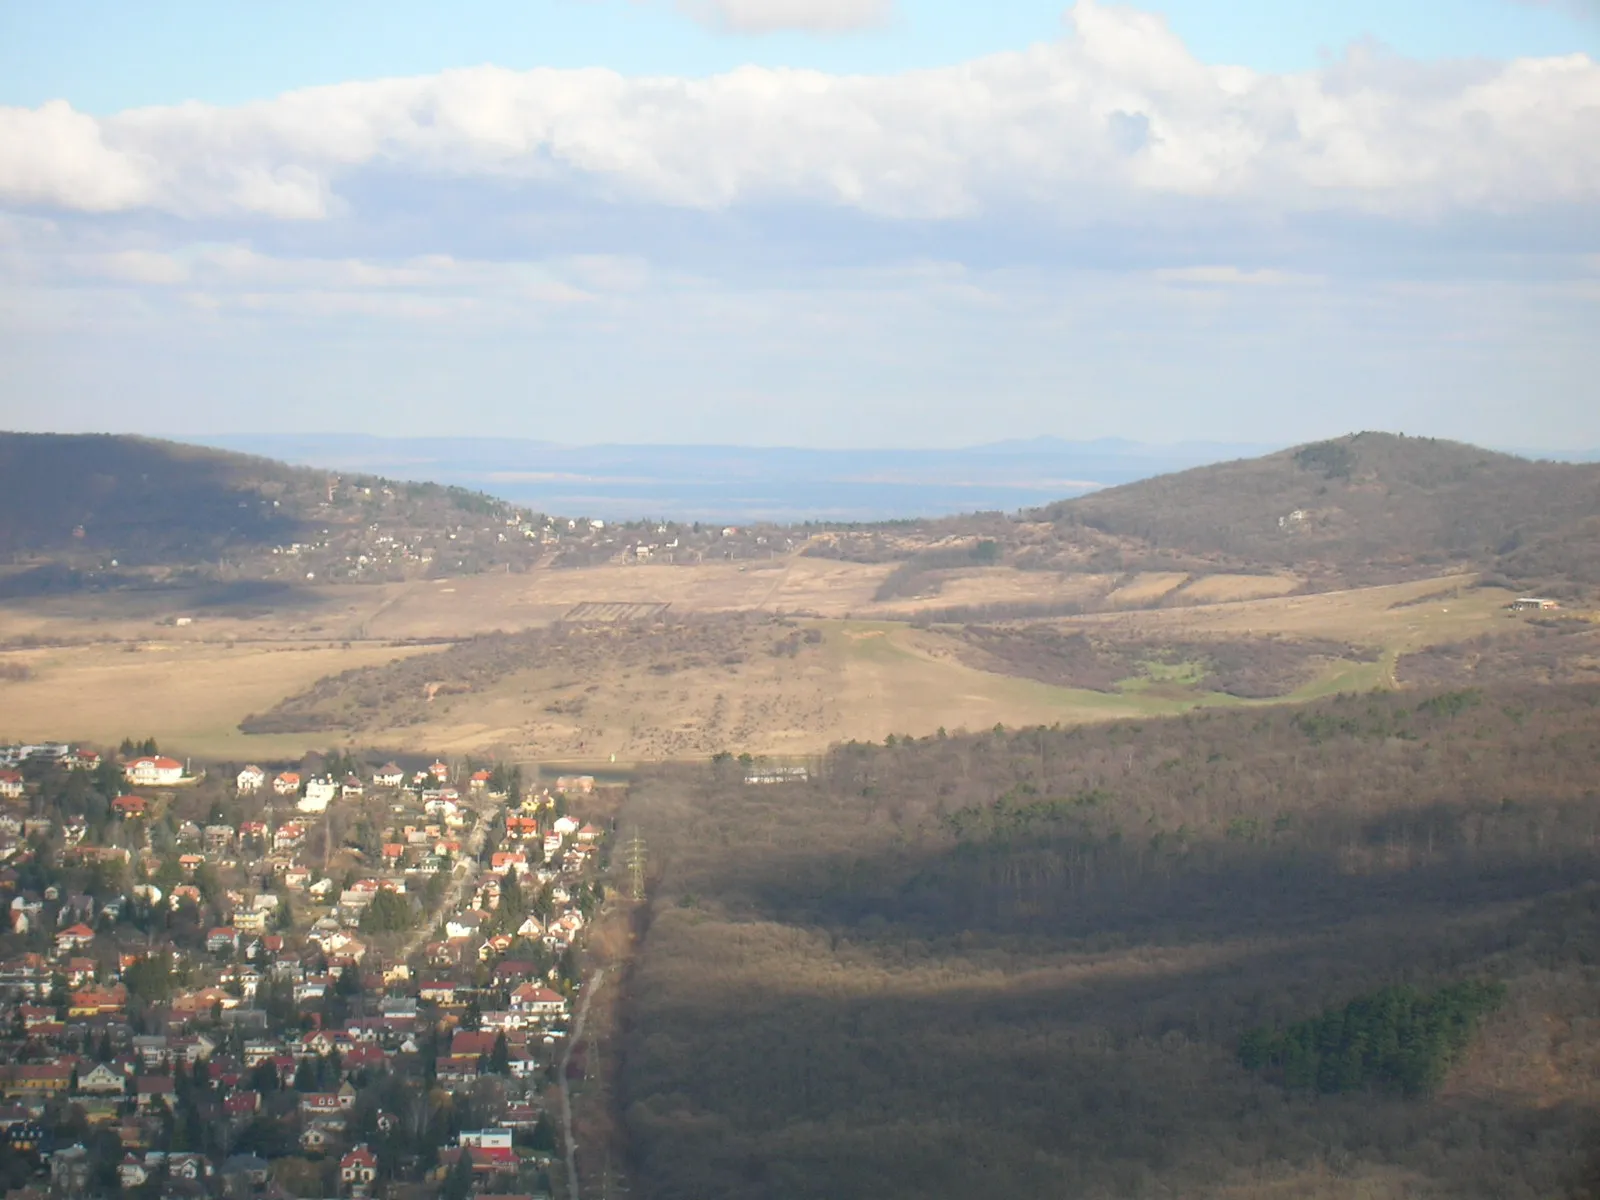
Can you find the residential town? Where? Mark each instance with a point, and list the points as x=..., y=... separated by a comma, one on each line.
x=325, y=978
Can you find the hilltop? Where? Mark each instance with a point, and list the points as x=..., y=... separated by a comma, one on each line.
x=1361, y=506
x=98, y=510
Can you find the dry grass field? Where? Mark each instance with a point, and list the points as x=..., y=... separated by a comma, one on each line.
x=865, y=679
x=1218, y=588
x=191, y=696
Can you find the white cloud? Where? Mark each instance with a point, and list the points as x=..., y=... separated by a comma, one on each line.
x=1117, y=115
x=766, y=16
x=1225, y=276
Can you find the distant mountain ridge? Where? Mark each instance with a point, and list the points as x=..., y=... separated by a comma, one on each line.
x=1359, y=508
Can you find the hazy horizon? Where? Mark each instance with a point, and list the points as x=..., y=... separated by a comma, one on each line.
x=834, y=223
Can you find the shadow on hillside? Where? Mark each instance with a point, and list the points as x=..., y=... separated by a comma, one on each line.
x=1119, y=897
x=142, y=501
x=1118, y=1086
x=111, y=594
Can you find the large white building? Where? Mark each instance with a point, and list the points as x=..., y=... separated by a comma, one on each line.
x=152, y=771
x=319, y=794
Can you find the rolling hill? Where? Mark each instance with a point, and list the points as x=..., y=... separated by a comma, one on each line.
x=99, y=509
x=1363, y=506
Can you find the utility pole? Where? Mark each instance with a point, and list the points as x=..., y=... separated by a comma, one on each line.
x=636, y=861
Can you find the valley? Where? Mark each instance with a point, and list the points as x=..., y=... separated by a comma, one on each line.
x=591, y=691
x=928, y=858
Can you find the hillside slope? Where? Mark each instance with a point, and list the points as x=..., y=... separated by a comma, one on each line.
x=96, y=502
x=1368, y=502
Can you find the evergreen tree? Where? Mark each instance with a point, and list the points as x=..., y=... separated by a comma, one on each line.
x=458, y=1184
x=500, y=1056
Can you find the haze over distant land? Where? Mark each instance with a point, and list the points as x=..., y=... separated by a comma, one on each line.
x=746, y=483
x=1181, y=221
x=757, y=483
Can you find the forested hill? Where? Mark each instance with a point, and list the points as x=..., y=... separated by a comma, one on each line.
x=1367, y=500
x=98, y=503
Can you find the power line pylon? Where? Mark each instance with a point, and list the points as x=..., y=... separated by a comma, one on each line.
x=636, y=862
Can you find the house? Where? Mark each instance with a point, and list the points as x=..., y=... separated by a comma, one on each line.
x=96, y=1001
x=242, y=1104
x=222, y=939
x=462, y=925
x=131, y=1172
x=439, y=770
x=324, y=1104
x=250, y=920
x=499, y=944
x=538, y=1001
x=129, y=807
x=287, y=783
x=69, y=1171
x=10, y=785
x=388, y=776
x=251, y=779
x=511, y=970
x=155, y=1089
x=103, y=1080
x=154, y=771
x=351, y=786
x=400, y=1011
x=39, y=1079
x=76, y=937
x=589, y=833
x=486, y=1160
x=509, y=860
x=1534, y=604
x=437, y=993
x=486, y=1139
x=315, y=1138
x=466, y=1041
x=457, y=1070
x=479, y=781
x=319, y=794
x=218, y=838
x=565, y=826
x=357, y=1170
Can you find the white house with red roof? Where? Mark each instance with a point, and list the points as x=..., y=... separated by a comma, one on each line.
x=75, y=937
x=10, y=785
x=154, y=771
x=358, y=1169
x=287, y=783
x=251, y=779
x=538, y=1001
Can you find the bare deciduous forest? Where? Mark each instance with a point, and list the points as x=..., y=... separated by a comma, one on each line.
x=1022, y=963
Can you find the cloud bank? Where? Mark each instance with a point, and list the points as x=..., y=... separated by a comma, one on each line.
x=769, y=16
x=1118, y=112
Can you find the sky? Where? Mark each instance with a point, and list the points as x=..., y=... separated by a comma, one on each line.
x=803, y=222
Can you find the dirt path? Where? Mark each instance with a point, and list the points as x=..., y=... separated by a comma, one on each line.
x=589, y=990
